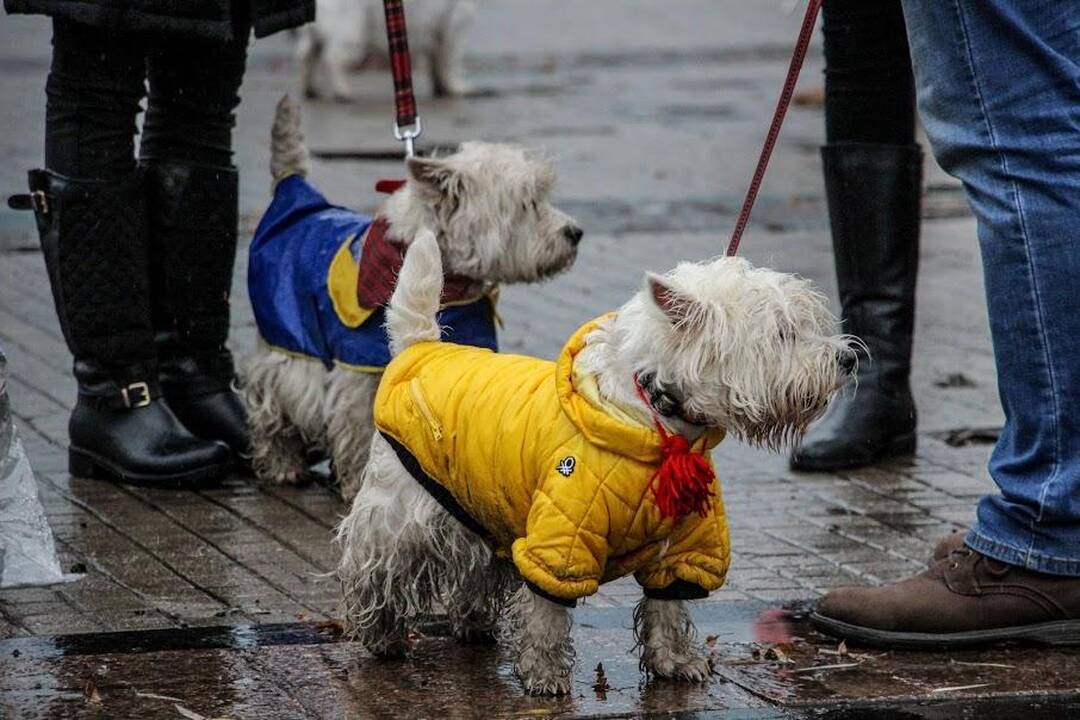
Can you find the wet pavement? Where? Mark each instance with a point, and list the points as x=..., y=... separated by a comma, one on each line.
x=220, y=602
x=303, y=670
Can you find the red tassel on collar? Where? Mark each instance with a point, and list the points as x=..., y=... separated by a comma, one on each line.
x=683, y=482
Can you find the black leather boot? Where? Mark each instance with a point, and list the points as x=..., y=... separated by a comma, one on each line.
x=93, y=236
x=874, y=197
x=193, y=227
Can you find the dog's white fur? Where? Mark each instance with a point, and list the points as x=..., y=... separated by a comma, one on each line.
x=487, y=208
x=747, y=349
x=347, y=33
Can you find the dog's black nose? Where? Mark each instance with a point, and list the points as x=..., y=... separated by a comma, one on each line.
x=573, y=233
x=847, y=362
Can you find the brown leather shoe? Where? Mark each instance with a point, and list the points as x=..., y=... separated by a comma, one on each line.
x=945, y=546
x=963, y=599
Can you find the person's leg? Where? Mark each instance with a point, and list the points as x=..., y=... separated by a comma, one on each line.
x=999, y=86
x=90, y=207
x=186, y=151
x=873, y=181
x=999, y=93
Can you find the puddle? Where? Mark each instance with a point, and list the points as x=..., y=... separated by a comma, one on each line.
x=808, y=669
x=769, y=664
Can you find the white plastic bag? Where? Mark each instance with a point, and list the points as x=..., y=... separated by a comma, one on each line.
x=27, y=551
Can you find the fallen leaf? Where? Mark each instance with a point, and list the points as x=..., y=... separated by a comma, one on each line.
x=811, y=97
x=332, y=625
x=955, y=380
x=776, y=653
x=90, y=692
x=601, y=686
x=841, y=649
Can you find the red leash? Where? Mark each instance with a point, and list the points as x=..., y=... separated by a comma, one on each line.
x=797, y=60
x=406, y=120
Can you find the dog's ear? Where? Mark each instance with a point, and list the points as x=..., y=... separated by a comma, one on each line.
x=434, y=177
x=676, y=306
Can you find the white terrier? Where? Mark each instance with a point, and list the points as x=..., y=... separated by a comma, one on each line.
x=316, y=272
x=347, y=33
x=493, y=470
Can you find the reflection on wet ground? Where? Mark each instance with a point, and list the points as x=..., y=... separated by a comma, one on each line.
x=768, y=663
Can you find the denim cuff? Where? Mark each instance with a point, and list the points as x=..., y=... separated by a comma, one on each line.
x=1029, y=559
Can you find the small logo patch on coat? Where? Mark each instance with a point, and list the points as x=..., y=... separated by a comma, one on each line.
x=566, y=466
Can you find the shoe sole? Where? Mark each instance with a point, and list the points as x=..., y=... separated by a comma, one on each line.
x=898, y=446
x=1058, y=632
x=87, y=465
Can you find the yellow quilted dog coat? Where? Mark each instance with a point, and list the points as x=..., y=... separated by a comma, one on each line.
x=512, y=448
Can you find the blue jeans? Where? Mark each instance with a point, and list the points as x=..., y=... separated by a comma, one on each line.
x=999, y=93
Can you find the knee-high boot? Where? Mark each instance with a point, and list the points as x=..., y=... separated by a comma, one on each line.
x=93, y=236
x=874, y=198
x=193, y=220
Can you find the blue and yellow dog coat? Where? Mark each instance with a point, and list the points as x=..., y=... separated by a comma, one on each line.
x=307, y=268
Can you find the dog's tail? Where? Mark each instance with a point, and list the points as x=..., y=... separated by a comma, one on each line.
x=288, y=153
x=411, y=317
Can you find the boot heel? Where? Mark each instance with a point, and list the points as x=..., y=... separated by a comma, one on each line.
x=80, y=465
x=900, y=445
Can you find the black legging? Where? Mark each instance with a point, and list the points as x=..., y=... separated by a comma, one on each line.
x=869, y=87
x=98, y=80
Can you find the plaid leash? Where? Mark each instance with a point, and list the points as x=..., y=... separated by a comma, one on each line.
x=406, y=120
x=797, y=60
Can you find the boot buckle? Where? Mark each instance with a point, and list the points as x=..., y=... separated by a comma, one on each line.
x=40, y=202
x=136, y=395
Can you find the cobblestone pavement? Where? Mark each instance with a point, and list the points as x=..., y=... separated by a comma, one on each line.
x=654, y=122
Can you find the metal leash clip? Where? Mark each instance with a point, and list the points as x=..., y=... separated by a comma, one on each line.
x=408, y=135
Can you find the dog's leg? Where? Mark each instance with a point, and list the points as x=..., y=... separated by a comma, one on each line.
x=284, y=398
x=349, y=425
x=309, y=50
x=337, y=56
x=545, y=661
x=665, y=633
x=277, y=448
x=447, y=68
x=390, y=566
x=476, y=603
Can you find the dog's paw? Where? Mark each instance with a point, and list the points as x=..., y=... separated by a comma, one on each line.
x=556, y=682
x=475, y=635
x=290, y=476
x=694, y=667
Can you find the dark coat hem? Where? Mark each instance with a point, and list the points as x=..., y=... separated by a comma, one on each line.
x=128, y=17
